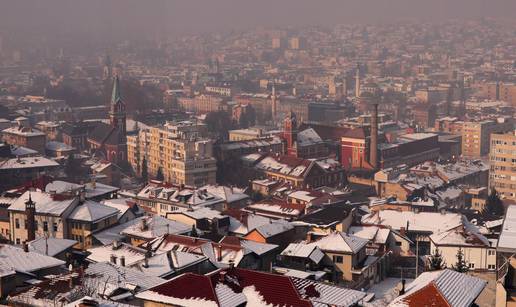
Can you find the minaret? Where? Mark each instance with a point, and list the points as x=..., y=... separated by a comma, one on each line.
x=274, y=106
x=290, y=133
x=357, y=81
x=117, y=109
x=462, y=100
x=108, y=68
x=373, y=150
x=30, y=212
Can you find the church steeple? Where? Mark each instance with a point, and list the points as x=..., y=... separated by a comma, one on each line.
x=115, y=95
x=117, y=108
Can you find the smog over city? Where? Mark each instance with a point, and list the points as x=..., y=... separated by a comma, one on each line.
x=258, y=153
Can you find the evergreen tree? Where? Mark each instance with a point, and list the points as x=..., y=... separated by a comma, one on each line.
x=145, y=171
x=461, y=265
x=73, y=168
x=436, y=261
x=159, y=175
x=494, y=204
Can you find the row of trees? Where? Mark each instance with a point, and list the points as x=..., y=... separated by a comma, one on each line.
x=436, y=262
x=220, y=122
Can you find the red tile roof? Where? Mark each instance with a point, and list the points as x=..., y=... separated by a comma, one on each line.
x=428, y=296
x=275, y=289
x=188, y=286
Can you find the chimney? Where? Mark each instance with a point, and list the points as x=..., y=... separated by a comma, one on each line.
x=122, y=260
x=112, y=259
x=145, y=261
x=218, y=250
x=170, y=258
x=82, y=196
x=403, y=231
x=402, y=290
x=373, y=150
x=143, y=224
x=30, y=212
x=26, y=247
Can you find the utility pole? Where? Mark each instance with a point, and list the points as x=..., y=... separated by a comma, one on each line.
x=417, y=256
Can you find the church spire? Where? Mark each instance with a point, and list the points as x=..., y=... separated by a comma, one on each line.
x=115, y=95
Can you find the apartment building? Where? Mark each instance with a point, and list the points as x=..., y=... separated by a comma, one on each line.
x=502, y=174
x=476, y=135
x=26, y=137
x=183, y=156
x=51, y=211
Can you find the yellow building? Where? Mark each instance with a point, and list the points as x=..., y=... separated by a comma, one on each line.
x=502, y=175
x=476, y=135
x=176, y=149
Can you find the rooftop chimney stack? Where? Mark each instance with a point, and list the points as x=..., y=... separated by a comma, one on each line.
x=373, y=150
x=30, y=212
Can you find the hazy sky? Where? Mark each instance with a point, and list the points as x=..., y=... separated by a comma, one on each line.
x=180, y=16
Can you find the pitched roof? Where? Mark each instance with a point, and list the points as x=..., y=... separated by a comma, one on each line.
x=327, y=215
x=274, y=228
x=236, y=287
x=302, y=250
x=341, y=242
x=456, y=289
x=325, y=295
x=186, y=287
x=164, y=264
x=115, y=274
x=45, y=202
x=50, y=246
x=19, y=260
x=91, y=211
x=416, y=221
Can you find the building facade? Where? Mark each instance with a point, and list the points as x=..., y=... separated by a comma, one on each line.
x=502, y=174
x=183, y=156
x=476, y=136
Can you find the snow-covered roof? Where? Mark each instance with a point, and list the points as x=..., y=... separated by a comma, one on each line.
x=119, y=204
x=45, y=203
x=27, y=162
x=341, y=242
x=308, y=137
x=252, y=221
x=327, y=295
x=20, y=151
x=274, y=228
x=50, y=246
x=372, y=233
x=179, y=195
x=303, y=250
x=164, y=264
x=58, y=146
x=457, y=289
x=421, y=221
x=19, y=260
x=507, y=240
x=23, y=131
x=91, y=211
x=155, y=226
x=228, y=194
x=302, y=195
x=200, y=213
x=121, y=276
x=59, y=186
x=467, y=235
x=96, y=189
x=103, y=253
